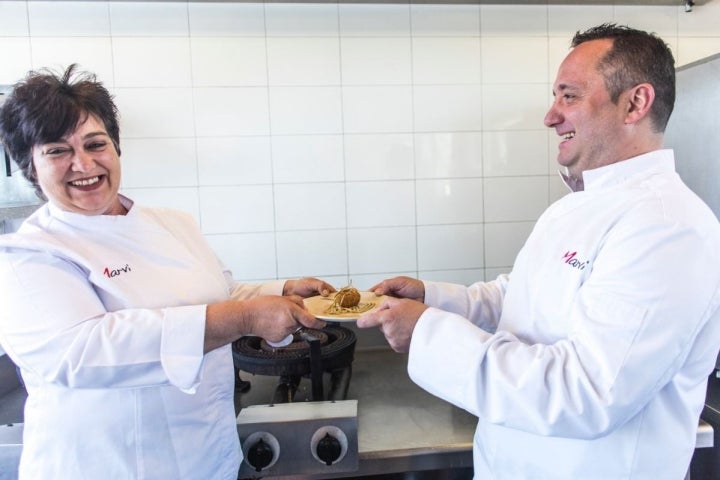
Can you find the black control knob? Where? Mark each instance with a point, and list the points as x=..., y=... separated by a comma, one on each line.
x=260, y=455
x=328, y=449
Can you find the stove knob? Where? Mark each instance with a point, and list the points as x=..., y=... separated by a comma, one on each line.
x=260, y=455
x=328, y=449
x=261, y=450
x=329, y=445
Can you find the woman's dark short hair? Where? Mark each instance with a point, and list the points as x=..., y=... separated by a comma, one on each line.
x=636, y=57
x=44, y=107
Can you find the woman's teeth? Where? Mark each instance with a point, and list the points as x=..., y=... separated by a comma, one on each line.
x=85, y=182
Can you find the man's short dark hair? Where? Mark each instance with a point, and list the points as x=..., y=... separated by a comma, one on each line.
x=636, y=57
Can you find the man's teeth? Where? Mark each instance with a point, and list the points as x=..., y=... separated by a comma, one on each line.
x=85, y=182
x=569, y=135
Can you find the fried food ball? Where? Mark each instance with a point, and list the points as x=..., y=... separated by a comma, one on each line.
x=348, y=297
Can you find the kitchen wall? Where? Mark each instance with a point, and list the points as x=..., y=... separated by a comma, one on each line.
x=345, y=141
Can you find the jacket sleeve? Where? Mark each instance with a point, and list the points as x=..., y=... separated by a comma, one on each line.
x=71, y=340
x=481, y=302
x=243, y=291
x=645, y=313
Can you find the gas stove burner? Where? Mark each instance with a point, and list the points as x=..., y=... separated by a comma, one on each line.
x=337, y=348
x=312, y=353
x=300, y=341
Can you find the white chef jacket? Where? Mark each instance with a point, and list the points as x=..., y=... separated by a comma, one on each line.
x=593, y=355
x=105, y=317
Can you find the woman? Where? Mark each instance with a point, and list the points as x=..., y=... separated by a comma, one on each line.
x=120, y=317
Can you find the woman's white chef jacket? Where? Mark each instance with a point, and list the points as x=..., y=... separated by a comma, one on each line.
x=604, y=334
x=105, y=316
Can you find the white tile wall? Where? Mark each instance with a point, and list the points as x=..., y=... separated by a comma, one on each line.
x=514, y=20
x=156, y=19
x=565, y=20
x=152, y=61
x=446, y=60
x=381, y=204
x=226, y=19
x=514, y=60
x=13, y=18
x=377, y=109
x=376, y=60
x=447, y=108
x=448, y=247
x=323, y=252
x=93, y=53
x=448, y=154
x=290, y=20
x=72, y=19
x=307, y=158
x=305, y=110
x=229, y=111
x=233, y=209
x=16, y=57
x=364, y=257
x=232, y=160
x=386, y=156
x=183, y=198
x=374, y=20
x=449, y=201
x=309, y=206
x=228, y=61
x=346, y=141
x=303, y=60
x=156, y=112
x=438, y=20
x=516, y=152
x=159, y=162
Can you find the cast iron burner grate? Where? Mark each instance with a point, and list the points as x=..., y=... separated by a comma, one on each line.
x=311, y=354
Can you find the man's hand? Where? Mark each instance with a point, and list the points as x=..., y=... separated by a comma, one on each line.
x=396, y=319
x=402, y=287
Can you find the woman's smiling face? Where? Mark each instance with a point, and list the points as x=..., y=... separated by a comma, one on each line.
x=80, y=173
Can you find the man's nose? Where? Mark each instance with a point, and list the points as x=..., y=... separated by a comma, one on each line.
x=552, y=117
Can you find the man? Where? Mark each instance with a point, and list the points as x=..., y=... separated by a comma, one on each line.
x=590, y=360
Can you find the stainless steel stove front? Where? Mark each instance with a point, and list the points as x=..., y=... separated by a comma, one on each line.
x=299, y=438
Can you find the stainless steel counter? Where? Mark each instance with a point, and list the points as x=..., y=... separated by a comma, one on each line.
x=401, y=428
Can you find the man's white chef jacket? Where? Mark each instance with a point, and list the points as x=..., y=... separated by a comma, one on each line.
x=105, y=316
x=593, y=356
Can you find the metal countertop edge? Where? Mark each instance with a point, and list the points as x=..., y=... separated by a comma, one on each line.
x=461, y=448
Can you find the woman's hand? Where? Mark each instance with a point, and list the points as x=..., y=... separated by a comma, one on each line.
x=270, y=317
x=307, y=287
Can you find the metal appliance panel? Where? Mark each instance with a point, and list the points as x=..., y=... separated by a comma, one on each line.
x=293, y=431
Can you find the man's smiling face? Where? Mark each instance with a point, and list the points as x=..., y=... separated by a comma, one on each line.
x=582, y=112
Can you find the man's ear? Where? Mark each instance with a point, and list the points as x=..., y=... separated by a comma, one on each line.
x=639, y=100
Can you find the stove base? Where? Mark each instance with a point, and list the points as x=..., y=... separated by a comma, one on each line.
x=298, y=438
